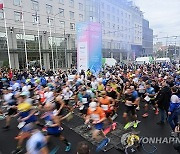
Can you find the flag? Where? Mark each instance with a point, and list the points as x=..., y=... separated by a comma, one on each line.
x=1, y=6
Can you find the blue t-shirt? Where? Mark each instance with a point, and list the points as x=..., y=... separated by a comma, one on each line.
x=135, y=94
x=150, y=90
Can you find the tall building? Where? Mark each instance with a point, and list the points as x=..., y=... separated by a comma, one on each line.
x=147, y=43
x=49, y=27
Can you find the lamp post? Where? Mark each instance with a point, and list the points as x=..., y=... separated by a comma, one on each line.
x=57, y=57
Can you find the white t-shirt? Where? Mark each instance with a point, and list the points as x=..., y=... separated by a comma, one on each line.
x=99, y=79
x=25, y=88
x=94, y=84
x=36, y=142
x=49, y=96
x=16, y=86
x=8, y=97
x=175, y=99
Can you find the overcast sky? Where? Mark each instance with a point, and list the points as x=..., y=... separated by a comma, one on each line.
x=164, y=16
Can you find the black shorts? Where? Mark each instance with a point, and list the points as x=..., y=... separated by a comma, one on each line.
x=141, y=95
x=66, y=102
x=151, y=102
x=12, y=111
x=131, y=109
x=55, y=135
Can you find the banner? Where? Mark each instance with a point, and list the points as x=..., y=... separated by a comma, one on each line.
x=89, y=46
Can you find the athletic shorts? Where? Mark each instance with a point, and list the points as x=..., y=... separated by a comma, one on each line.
x=141, y=95
x=108, y=113
x=131, y=109
x=55, y=132
x=12, y=111
x=99, y=126
x=152, y=101
x=66, y=102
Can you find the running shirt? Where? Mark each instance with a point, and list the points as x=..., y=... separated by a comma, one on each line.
x=49, y=122
x=36, y=142
x=105, y=103
x=24, y=111
x=96, y=115
x=100, y=87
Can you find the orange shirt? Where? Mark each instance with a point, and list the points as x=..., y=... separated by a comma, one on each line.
x=96, y=115
x=105, y=103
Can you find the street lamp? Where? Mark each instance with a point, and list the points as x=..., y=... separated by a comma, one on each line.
x=166, y=43
x=57, y=57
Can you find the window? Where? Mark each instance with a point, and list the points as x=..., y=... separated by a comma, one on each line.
x=1, y=14
x=102, y=14
x=62, y=24
x=113, y=18
x=108, y=8
x=80, y=6
x=118, y=19
x=118, y=12
x=17, y=16
x=49, y=9
x=36, y=19
x=102, y=5
x=72, y=26
x=103, y=23
x=108, y=24
x=71, y=15
x=61, y=12
x=71, y=3
x=35, y=5
x=17, y=2
x=61, y=1
x=91, y=18
x=50, y=21
x=108, y=16
x=80, y=17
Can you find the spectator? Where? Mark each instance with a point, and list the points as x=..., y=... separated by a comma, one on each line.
x=83, y=148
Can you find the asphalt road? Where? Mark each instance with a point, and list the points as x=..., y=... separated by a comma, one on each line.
x=147, y=128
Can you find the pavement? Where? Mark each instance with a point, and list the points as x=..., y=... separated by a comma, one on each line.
x=147, y=128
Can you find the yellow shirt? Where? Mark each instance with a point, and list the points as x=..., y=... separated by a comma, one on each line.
x=24, y=107
x=100, y=87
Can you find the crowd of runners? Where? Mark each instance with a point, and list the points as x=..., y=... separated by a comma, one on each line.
x=40, y=100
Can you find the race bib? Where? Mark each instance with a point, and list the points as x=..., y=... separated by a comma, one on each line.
x=21, y=125
x=95, y=117
x=104, y=107
x=84, y=100
x=147, y=98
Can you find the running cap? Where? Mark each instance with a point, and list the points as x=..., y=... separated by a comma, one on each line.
x=93, y=106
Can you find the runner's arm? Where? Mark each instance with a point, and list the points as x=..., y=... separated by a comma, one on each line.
x=44, y=150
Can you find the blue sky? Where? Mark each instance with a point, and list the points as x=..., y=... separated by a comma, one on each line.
x=164, y=16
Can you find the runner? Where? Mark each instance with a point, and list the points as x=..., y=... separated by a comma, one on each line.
x=53, y=126
x=107, y=104
x=97, y=115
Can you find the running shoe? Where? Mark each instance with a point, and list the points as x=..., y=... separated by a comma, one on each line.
x=138, y=108
x=6, y=127
x=160, y=123
x=145, y=115
x=114, y=116
x=107, y=141
x=68, y=148
x=17, y=151
x=156, y=112
x=135, y=124
x=127, y=125
x=114, y=125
